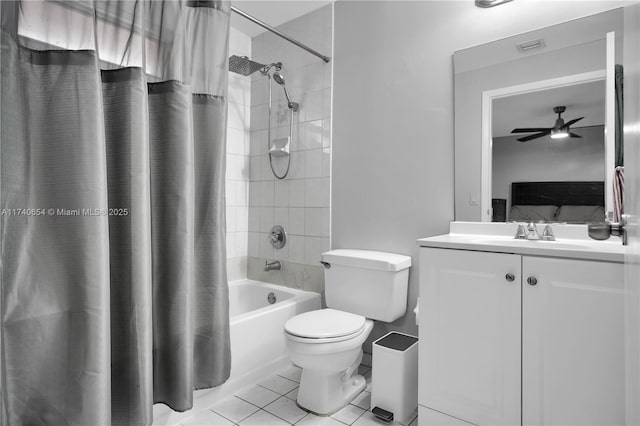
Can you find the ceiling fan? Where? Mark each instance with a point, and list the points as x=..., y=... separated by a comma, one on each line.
x=559, y=130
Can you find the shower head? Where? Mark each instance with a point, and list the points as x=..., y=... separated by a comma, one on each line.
x=243, y=65
x=279, y=78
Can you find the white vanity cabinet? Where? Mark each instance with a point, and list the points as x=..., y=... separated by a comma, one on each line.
x=509, y=339
x=469, y=353
x=572, y=342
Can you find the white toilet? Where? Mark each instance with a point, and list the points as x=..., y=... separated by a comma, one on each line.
x=360, y=286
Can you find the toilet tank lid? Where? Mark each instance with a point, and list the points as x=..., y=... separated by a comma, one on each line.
x=367, y=259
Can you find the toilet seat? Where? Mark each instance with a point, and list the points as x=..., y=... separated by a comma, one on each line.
x=324, y=326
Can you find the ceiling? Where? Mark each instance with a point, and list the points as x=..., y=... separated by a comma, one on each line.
x=272, y=12
x=536, y=109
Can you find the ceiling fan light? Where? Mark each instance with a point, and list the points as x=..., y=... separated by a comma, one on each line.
x=559, y=133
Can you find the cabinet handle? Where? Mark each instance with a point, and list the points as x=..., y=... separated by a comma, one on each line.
x=532, y=281
x=510, y=277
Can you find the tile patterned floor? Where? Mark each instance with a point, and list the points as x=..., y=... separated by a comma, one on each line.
x=272, y=402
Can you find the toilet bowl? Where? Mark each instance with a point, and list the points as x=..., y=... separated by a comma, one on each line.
x=329, y=359
x=327, y=343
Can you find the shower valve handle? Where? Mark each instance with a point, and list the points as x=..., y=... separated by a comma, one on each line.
x=278, y=237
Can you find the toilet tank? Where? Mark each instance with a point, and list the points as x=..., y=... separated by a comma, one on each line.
x=368, y=283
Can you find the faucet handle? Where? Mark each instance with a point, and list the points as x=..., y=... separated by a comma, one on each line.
x=521, y=234
x=547, y=234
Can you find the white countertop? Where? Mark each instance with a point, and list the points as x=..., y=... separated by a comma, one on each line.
x=572, y=241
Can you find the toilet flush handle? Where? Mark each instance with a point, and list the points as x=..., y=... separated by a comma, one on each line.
x=327, y=265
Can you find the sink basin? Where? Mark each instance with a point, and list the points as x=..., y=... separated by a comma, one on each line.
x=560, y=245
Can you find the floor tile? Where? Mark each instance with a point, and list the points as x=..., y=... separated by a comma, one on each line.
x=207, y=418
x=293, y=395
x=363, y=400
x=262, y=418
x=234, y=409
x=279, y=384
x=414, y=422
x=286, y=409
x=257, y=395
x=291, y=373
x=348, y=414
x=313, y=420
x=368, y=419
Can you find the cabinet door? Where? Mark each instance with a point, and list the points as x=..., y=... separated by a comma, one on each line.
x=572, y=342
x=470, y=335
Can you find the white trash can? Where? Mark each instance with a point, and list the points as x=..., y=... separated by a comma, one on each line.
x=394, y=377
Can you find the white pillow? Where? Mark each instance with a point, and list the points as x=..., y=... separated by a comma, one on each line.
x=580, y=214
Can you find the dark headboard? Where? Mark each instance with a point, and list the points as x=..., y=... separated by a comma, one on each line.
x=557, y=193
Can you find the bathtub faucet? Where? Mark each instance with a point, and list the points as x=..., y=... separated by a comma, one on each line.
x=274, y=265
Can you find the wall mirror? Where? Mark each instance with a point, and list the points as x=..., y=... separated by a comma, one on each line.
x=515, y=83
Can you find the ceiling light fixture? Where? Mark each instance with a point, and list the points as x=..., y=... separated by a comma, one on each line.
x=559, y=133
x=490, y=3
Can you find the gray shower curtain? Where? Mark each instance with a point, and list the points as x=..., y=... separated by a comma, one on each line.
x=112, y=162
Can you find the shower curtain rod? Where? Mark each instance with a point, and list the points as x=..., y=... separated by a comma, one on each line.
x=278, y=33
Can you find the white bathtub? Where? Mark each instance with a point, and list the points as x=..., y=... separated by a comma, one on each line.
x=258, y=345
x=257, y=336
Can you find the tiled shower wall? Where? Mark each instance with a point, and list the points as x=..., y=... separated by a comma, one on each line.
x=301, y=201
x=237, y=179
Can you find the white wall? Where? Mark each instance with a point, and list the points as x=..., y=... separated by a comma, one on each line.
x=300, y=202
x=547, y=160
x=237, y=179
x=392, y=174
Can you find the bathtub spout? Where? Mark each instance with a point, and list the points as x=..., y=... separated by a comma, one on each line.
x=274, y=265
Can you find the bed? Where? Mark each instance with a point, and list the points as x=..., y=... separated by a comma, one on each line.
x=568, y=202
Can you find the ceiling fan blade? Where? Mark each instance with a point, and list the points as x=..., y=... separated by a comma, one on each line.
x=536, y=136
x=530, y=130
x=569, y=123
x=573, y=135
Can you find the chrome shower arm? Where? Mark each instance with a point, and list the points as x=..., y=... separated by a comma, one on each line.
x=265, y=70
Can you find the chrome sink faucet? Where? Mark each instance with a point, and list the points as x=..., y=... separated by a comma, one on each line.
x=530, y=232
